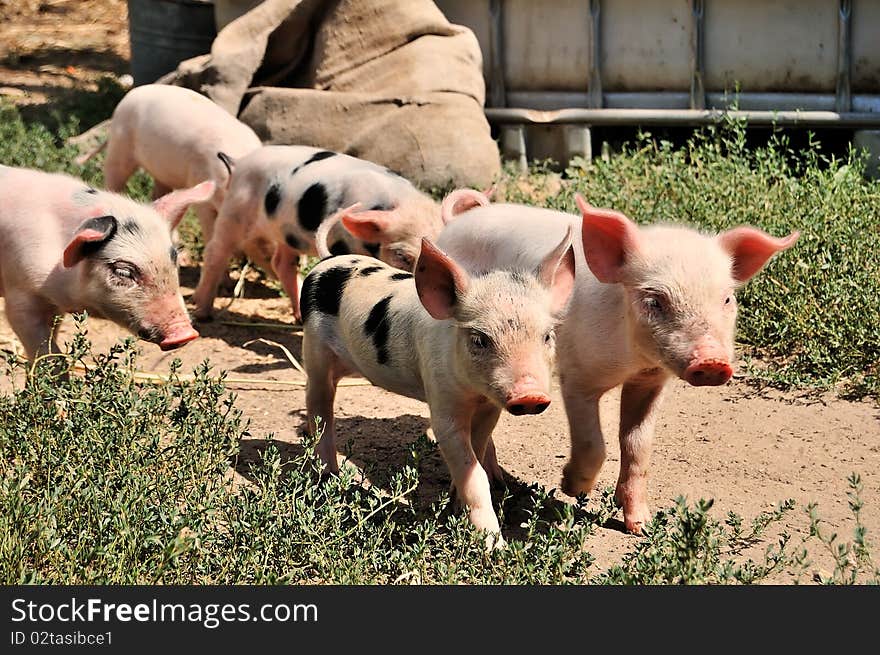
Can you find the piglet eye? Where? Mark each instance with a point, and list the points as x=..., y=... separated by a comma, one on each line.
x=124, y=272
x=479, y=340
x=548, y=338
x=728, y=300
x=405, y=261
x=653, y=304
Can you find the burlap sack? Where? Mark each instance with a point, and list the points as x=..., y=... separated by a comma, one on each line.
x=391, y=81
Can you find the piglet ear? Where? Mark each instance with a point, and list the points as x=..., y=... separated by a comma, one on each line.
x=556, y=272
x=461, y=200
x=172, y=206
x=610, y=239
x=439, y=281
x=228, y=161
x=750, y=249
x=371, y=226
x=88, y=238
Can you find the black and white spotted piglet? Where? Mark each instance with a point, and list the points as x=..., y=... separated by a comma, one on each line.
x=469, y=346
x=280, y=195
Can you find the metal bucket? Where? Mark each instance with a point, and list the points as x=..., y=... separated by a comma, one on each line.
x=165, y=32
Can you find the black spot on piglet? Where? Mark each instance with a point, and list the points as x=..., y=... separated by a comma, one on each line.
x=340, y=248
x=273, y=197
x=401, y=276
x=312, y=207
x=378, y=326
x=369, y=270
x=325, y=292
x=293, y=242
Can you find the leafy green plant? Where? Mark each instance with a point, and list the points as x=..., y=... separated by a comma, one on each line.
x=102, y=480
x=107, y=480
x=685, y=545
x=853, y=562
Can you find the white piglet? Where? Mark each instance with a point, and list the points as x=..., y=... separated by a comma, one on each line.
x=174, y=134
x=468, y=345
x=649, y=303
x=282, y=195
x=66, y=247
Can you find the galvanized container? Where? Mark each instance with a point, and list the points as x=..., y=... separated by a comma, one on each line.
x=668, y=61
x=165, y=32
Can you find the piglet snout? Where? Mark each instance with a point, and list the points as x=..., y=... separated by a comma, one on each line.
x=533, y=403
x=178, y=337
x=708, y=372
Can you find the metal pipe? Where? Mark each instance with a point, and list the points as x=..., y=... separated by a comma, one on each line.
x=829, y=119
x=594, y=92
x=497, y=91
x=844, y=56
x=698, y=66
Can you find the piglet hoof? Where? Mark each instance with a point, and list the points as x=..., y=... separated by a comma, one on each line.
x=494, y=541
x=574, y=483
x=636, y=518
x=634, y=526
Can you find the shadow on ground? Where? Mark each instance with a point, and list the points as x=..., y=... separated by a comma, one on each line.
x=381, y=447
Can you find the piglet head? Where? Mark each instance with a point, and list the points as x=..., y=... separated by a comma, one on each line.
x=127, y=272
x=394, y=235
x=679, y=287
x=503, y=321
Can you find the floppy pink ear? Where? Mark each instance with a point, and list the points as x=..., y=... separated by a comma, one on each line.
x=371, y=226
x=751, y=248
x=172, y=206
x=610, y=238
x=459, y=201
x=439, y=281
x=556, y=272
x=90, y=234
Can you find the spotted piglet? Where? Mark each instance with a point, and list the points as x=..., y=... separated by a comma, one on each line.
x=282, y=194
x=65, y=247
x=468, y=345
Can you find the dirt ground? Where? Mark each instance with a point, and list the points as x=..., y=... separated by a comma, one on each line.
x=746, y=450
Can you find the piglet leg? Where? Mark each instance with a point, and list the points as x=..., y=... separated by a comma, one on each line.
x=452, y=428
x=639, y=402
x=587, y=443
x=218, y=252
x=320, y=362
x=31, y=319
x=285, y=261
x=482, y=425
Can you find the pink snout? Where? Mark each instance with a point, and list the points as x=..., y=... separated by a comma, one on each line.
x=708, y=372
x=532, y=403
x=178, y=337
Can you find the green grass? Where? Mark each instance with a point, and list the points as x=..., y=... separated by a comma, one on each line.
x=103, y=480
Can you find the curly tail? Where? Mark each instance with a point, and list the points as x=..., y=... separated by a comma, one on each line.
x=326, y=225
x=461, y=200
